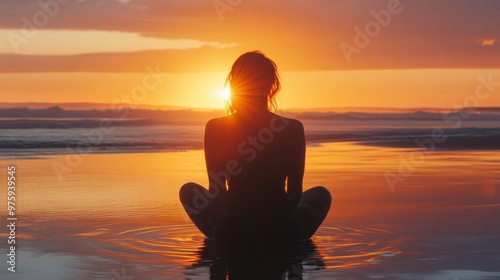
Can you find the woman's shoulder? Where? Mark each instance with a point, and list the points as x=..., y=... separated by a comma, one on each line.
x=275, y=121
x=290, y=122
x=217, y=121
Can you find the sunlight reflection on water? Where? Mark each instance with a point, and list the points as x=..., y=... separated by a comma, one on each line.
x=114, y=216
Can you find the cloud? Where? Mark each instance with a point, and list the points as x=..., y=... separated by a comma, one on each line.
x=304, y=35
x=206, y=58
x=487, y=42
x=69, y=42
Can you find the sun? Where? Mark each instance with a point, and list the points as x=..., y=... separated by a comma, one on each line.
x=225, y=94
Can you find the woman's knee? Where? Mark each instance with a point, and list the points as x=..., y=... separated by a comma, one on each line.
x=318, y=198
x=324, y=193
x=187, y=190
x=318, y=192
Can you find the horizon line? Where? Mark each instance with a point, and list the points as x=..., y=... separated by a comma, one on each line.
x=103, y=106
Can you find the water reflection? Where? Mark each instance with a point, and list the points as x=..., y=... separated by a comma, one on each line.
x=181, y=252
x=257, y=261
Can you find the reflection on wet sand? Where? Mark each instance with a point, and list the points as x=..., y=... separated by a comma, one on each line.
x=339, y=248
x=256, y=261
x=125, y=217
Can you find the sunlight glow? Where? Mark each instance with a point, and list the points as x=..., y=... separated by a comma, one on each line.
x=225, y=94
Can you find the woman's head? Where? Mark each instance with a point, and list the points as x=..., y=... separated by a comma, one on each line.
x=254, y=83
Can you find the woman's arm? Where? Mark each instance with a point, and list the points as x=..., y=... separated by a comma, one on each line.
x=216, y=184
x=296, y=169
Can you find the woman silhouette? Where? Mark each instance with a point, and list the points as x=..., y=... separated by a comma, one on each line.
x=255, y=165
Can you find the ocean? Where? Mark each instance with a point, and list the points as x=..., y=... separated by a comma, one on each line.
x=37, y=136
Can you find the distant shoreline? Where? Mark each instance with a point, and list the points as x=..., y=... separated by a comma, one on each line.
x=59, y=131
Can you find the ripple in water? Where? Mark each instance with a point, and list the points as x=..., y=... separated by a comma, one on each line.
x=184, y=246
x=178, y=244
x=344, y=247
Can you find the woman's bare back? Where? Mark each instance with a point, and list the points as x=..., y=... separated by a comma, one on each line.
x=257, y=154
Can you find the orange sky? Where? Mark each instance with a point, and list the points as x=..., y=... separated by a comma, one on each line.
x=408, y=54
x=304, y=89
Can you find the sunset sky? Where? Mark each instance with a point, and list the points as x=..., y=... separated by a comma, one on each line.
x=343, y=53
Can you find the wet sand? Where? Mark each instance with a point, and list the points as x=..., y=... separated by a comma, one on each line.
x=115, y=216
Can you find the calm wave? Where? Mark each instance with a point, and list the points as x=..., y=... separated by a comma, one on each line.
x=61, y=136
